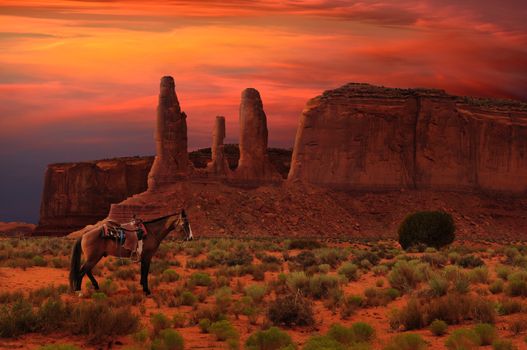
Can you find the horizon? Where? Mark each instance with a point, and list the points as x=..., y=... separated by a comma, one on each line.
x=80, y=78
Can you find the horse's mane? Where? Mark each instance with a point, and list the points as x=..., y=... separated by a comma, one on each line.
x=161, y=218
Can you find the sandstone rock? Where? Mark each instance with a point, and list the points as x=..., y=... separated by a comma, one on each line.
x=254, y=165
x=11, y=229
x=171, y=162
x=218, y=166
x=78, y=194
x=373, y=138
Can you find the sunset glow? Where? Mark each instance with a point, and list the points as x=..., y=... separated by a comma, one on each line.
x=79, y=79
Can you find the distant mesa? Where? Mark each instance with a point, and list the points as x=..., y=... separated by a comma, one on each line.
x=366, y=137
x=358, y=137
x=14, y=229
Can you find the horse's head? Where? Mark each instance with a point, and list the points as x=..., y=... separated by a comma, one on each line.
x=176, y=220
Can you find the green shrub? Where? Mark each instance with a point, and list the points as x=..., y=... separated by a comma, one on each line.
x=52, y=314
x=223, y=297
x=320, y=286
x=256, y=292
x=323, y=342
x=438, y=285
x=503, y=344
x=124, y=274
x=509, y=306
x=17, y=319
x=404, y=276
x=379, y=297
x=470, y=261
x=486, y=332
x=298, y=281
x=324, y=268
x=349, y=305
x=200, y=279
x=516, y=288
x=168, y=339
x=38, y=261
x=291, y=310
x=349, y=270
x=99, y=321
x=304, y=260
x=188, y=298
x=159, y=322
x=58, y=347
x=270, y=339
x=341, y=334
x=438, y=327
x=108, y=287
x=141, y=336
x=204, y=325
x=496, y=287
x=432, y=228
x=408, y=341
x=169, y=275
x=223, y=330
x=479, y=274
x=463, y=339
x=362, y=332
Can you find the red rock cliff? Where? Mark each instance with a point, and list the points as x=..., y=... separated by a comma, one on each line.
x=78, y=194
x=361, y=136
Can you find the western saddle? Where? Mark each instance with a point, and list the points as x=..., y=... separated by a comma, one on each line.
x=129, y=235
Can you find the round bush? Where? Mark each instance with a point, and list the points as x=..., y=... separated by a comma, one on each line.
x=408, y=341
x=271, y=339
x=438, y=328
x=432, y=228
x=291, y=310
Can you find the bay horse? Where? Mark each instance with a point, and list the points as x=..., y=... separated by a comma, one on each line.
x=95, y=246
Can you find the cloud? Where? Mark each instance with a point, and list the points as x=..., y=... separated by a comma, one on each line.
x=15, y=35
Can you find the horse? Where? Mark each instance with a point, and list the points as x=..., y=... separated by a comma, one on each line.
x=95, y=247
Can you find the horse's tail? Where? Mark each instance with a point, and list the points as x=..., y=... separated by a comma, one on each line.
x=75, y=263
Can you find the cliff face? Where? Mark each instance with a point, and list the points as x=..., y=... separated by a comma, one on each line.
x=77, y=194
x=365, y=137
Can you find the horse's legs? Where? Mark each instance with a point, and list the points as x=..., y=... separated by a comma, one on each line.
x=145, y=268
x=92, y=280
x=86, y=270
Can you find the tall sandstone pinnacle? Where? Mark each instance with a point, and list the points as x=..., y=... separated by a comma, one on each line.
x=366, y=137
x=218, y=166
x=254, y=165
x=171, y=162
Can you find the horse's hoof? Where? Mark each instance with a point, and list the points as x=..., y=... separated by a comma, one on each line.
x=147, y=293
x=79, y=294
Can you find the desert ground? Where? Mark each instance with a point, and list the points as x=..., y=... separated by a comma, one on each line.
x=230, y=294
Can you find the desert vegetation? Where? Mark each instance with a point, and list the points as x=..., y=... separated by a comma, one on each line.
x=271, y=294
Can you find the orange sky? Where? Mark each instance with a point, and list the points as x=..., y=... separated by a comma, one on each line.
x=79, y=79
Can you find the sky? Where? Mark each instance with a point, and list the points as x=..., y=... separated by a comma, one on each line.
x=79, y=78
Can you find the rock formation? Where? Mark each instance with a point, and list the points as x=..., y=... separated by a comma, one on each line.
x=171, y=162
x=254, y=165
x=373, y=138
x=78, y=194
x=218, y=166
x=13, y=229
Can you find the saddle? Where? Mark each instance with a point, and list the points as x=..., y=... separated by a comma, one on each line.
x=129, y=235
